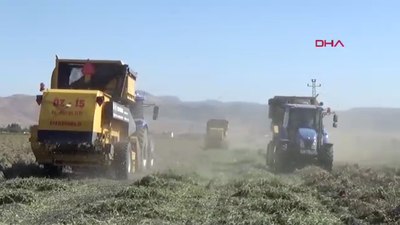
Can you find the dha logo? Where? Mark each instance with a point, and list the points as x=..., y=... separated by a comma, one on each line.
x=324, y=43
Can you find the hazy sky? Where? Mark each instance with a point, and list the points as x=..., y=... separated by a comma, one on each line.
x=208, y=49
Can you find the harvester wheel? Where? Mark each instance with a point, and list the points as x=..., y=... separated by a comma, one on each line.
x=123, y=160
x=142, y=136
x=326, y=158
x=52, y=170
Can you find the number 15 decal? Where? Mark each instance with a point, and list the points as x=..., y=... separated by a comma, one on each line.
x=80, y=103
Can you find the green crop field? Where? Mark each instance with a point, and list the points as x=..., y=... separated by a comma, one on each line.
x=196, y=186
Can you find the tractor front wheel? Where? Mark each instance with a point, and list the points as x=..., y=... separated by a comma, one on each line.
x=150, y=154
x=326, y=157
x=280, y=160
x=123, y=160
x=143, y=139
x=270, y=153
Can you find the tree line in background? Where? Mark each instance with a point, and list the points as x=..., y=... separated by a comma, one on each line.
x=13, y=128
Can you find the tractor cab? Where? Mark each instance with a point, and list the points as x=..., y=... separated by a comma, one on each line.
x=303, y=117
x=299, y=137
x=303, y=123
x=112, y=77
x=303, y=126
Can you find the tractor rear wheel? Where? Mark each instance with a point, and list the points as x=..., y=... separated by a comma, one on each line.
x=326, y=158
x=122, y=160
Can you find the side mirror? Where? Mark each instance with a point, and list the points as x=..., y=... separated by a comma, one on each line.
x=41, y=87
x=155, y=112
x=335, y=118
x=39, y=99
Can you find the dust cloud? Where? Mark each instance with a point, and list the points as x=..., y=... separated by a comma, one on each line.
x=185, y=153
x=366, y=147
x=351, y=146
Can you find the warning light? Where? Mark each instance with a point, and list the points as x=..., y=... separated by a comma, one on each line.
x=100, y=100
x=88, y=69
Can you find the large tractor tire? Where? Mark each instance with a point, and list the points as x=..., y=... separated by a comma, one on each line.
x=150, y=154
x=276, y=160
x=270, y=154
x=325, y=157
x=143, y=139
x=280, y=161
x=123, y=160
x=52, y=171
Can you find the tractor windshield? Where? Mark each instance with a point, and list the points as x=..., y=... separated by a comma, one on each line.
x=303, y=118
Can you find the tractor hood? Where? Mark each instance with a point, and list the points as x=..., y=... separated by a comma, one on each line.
x=307, y=134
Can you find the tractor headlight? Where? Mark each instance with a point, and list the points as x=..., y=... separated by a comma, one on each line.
x=302, y=145
x=284, y=147
x=314, y=144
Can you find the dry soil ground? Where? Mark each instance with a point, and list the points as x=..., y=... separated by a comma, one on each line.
x=194, y=186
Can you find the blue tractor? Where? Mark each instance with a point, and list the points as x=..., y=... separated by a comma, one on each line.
x=298, y=134
x=146, y=142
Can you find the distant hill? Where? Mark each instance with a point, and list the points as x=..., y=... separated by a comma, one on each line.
x=191, y=116
x=18, y=108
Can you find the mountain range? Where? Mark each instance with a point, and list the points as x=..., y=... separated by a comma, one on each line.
x=183, y=116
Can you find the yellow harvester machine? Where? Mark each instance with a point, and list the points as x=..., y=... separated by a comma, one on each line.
x=216, y=133
x=87, y=119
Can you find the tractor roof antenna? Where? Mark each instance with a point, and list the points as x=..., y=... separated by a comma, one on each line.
x=314, y=87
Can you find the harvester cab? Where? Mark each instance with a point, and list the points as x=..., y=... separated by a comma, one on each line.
x=86, y=118
x=299, y=136
x=216, y=133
